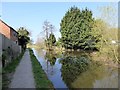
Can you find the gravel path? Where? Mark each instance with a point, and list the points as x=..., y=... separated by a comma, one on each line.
x=23, y=76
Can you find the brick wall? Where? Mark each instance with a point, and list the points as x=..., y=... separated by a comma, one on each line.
x=8, y=31
x=4, y=29
x=13, y=36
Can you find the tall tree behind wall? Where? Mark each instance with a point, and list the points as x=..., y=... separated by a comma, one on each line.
x=23, y=37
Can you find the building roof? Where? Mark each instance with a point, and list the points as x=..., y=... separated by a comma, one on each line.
x=9, y=26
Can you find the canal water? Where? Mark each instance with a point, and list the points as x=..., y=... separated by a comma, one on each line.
x=76, y=70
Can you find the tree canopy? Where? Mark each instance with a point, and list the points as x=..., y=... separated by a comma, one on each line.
x=23, y=37
x=51, y=39
x=76, y=27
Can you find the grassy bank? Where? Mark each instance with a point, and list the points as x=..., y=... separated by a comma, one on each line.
x=8, y=71
x=39, y=75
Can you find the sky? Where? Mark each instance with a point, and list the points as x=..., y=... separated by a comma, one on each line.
x=32, y=15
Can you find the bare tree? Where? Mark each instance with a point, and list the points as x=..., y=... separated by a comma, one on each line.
x=46, y=28
x=52, y=28
x=109, y=15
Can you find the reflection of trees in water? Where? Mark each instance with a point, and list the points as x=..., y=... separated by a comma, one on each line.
x=107, y=82
x=73, y=53
x=50, y=57
x=87, y=79
x=95, y=77
x=50, y=61
x=40, y=52
x=72, y=67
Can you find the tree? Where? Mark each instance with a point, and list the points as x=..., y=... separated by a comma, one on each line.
x=51, y=40
x=99, y=27
x=87, y=40
x=23, y=37
x=109, y=16
x=76, y=27
x=59, y=42
x=70, y=27
x=31, y=42
x=46, y=27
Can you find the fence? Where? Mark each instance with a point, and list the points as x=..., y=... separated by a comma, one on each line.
x=8, y=49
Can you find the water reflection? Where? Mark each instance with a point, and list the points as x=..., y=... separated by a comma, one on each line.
x=76, y=70
x=72, y=67
x=97, y=77
x=50, y=57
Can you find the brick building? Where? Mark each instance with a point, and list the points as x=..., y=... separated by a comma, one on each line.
x=8, y=31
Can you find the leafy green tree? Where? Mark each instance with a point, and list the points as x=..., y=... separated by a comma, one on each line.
x=87, y=41
x=69, y=27
x=51, y=40
x=76, y=28
x=98, y=32
x=59, y=42
x=23, y=37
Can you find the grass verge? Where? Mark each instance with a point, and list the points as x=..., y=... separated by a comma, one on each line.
x=39, y=75
x=8, y=71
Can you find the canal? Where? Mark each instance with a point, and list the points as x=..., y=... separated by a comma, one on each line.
x=76, y=70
